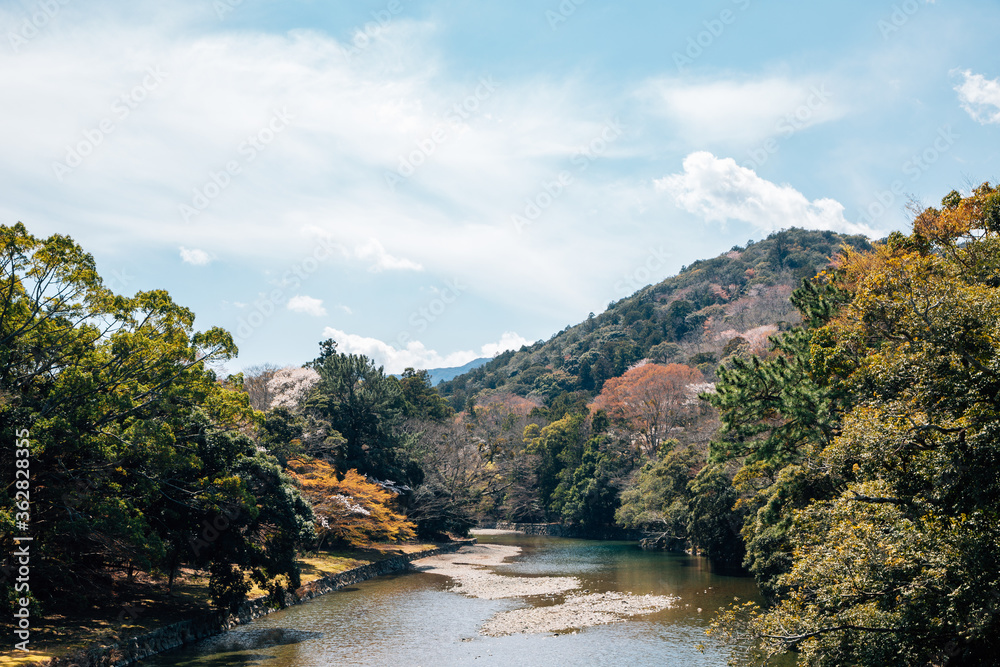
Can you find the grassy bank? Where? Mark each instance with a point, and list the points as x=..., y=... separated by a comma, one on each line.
x=145, y=605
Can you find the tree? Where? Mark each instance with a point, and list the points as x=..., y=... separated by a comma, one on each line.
x=349, y=509
x=593, y=490
x=559, y=448
x=421, y=401
x=289, y=387
x=658, y=502
x=255, y=383
x=777, y=413
x=364, y=405
x=651, y=400
x=456, y=481
x=286, y=435
x=715, y=519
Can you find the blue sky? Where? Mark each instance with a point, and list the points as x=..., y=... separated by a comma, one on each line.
x=428, y=182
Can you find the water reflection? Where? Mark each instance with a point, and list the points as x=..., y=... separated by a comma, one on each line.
x=413, y=619
x=238, y=648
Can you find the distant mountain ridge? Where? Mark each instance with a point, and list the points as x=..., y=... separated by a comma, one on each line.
x=712, y=310
x=439, y=375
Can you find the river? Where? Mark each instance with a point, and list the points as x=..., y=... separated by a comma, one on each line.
x=413, y=619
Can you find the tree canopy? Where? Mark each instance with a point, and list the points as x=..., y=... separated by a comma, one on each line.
x=880, y=489
x=140, y=457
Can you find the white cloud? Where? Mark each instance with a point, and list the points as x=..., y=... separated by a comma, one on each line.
x=195, y=256
x=346, y=309
x=508, y=341
x=415, y=354
x=719, y=190
x=743, y=112
x=307, y=305
x=352, y=121
x=980, y=97
x=381, y=260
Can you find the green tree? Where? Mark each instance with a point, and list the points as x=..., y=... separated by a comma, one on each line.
x=367, y=408
x=593, y=490
x=421, y=401
x=714, y=518
x=658, y=503
x=559, y=447
x=776, y=415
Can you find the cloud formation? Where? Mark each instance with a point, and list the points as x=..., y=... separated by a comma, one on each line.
x=415, y=354
x=306, y=304
x=195, y=256
x=718, y=189
x=373, y=251
x=980, y=97
x=743, y=111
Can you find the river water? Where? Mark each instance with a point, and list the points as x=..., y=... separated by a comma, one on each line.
x=413, y=619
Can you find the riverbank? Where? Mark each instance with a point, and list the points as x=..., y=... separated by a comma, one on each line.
x=200, y=622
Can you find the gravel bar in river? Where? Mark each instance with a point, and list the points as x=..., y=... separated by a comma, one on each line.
x=467, y=568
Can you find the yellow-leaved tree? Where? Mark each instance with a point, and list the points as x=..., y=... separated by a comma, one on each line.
x=349, y=509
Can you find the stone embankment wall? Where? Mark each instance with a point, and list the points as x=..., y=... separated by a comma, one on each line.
x=549, y=529
x=559, y=530
x=187, y=632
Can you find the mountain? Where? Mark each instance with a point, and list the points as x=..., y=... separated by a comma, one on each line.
x=711, y=310
x=439, y=375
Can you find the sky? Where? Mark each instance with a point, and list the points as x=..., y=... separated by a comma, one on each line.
x=427, y=182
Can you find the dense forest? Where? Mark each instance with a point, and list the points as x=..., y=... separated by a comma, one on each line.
x=814, y=410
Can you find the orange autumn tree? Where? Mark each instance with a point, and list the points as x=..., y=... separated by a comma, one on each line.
x=651, y=399
x=350, y=510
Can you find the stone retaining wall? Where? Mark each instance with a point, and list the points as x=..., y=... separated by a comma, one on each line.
x=207, y=625
x=559, y=530
x=548, y=529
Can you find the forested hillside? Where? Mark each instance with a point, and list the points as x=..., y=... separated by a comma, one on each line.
x=711, y=310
